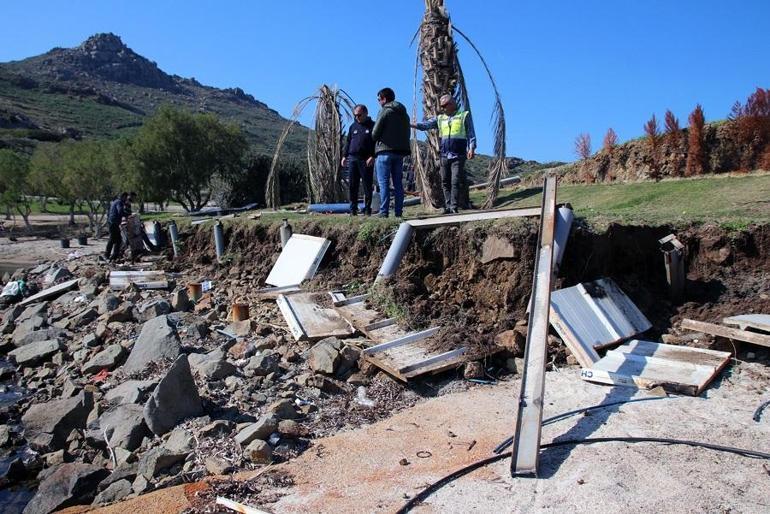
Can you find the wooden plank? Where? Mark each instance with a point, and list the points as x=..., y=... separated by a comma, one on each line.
x=756, y=321
x=729, y=333
x=409, y=338
x=699, y=356
x=51, y=292
x=381, y=335
x=379, y=324
x=455, y=219
x=308, y=320
x=419, y=367
x=350, y=300
x=271, y=293
x=526, y=439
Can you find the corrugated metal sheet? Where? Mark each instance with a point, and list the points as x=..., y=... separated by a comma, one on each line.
x=594, y=315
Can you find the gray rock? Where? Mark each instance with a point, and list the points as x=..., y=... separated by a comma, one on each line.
x=131, y=391
x=124, y=313
x=259, y=452
x=175, y=398
x=26, y=327
x=123, y=426
x=262, y=429
x=7, y=326
x=153, y=309
x=43, y=334
x=262, y=364
x=70, y=484
x=56, y=275
x=106, y=303
x=157, y=460
x=217, y=466
x=34, y=353
x=114, y=492
x=495, y=248
x=157, y=340
x=108, y=359
x=47, y=425
x=141, y=485
x=180, y=441
x=198, y=330
x=82, y=318
x=212, y=365
x=216, y=428
x=325, y=356
x=283, y=409
x=5, y=435
x=13, y=313
x=91, y=340
x=37, y=309
x=180, y=302
x=122, y=472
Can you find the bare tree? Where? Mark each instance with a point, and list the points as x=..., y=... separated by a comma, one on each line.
x=696, y=156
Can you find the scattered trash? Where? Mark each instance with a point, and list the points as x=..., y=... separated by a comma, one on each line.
x=424, y=454
x=238, y=507
x=758, y=413
x=404, y=462
x=206, y=285
x=362, y=399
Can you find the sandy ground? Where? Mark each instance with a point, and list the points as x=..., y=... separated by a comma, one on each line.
x=362, y=471
x=29, y=251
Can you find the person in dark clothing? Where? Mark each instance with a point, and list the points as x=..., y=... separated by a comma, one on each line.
x=391, y=138
x=359, y=158
x=114, y=218
x=458, y=142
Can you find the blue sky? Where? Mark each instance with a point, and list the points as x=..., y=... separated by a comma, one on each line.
x=562, y=67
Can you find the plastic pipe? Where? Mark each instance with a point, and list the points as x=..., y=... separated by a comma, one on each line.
x=174, y=233
x=286, y=233
x=395, y=252
x=564, y=217
x=219, y=240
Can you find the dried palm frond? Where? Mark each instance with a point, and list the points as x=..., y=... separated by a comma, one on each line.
x=323, y=150
x=498, y=168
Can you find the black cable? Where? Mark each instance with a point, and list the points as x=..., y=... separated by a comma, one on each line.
x=505, y=444
x=758, y=413
x=425, y=493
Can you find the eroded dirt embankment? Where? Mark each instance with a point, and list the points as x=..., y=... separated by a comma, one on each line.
x=475, y=280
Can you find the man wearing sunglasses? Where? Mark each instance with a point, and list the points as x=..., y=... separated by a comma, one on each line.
x=458, y=142
x=359, y=158
x=391, y=138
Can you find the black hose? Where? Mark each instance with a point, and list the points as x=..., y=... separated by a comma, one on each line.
x=425, y=493
x=758, y=413
x=505, y=444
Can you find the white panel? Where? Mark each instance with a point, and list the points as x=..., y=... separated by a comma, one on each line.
x=298, y=261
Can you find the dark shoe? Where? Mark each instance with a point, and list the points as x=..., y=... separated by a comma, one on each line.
x=447, y=211
x=354, y=213
x=382, y=215
x=367, y=212
x=454, y=211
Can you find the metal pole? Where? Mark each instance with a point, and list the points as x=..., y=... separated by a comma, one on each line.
x=174, y=233
x=286, y=232
x=395, y=252
x=219, y=240
x=564, y=218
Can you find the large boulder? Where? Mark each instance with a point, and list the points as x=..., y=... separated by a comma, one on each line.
x=175, y=398
x=47, y=425
x=123, y=426
x=107, y=359
x=34, y=353
x=157, y=340
x=69, y=484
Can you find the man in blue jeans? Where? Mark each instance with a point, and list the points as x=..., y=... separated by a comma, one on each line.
x=391, y=138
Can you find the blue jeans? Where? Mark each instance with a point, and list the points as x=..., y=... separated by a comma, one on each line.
x=390, y=166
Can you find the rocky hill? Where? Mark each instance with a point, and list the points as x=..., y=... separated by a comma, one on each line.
x=102, y=88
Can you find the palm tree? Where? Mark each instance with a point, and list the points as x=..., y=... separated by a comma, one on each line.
x=442, y=74
x=324, y=147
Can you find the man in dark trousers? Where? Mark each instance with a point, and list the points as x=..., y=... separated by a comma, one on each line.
x=114, y=217
x=391, y=145
x=458, y=142
x=359, y=158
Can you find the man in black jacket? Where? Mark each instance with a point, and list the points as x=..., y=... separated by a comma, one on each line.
x=359, y=158
x=114, y=217
x=391, y=138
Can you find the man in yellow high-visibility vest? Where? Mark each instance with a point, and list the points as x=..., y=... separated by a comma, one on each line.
x=458, y=142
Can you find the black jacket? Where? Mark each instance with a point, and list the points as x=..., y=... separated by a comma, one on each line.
x=360, y=142
x=116, y=213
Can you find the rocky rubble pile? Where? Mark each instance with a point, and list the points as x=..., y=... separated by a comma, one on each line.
x=128, y=391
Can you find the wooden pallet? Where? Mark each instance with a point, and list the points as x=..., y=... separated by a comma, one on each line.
x=646, y=364
x=309, y=320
